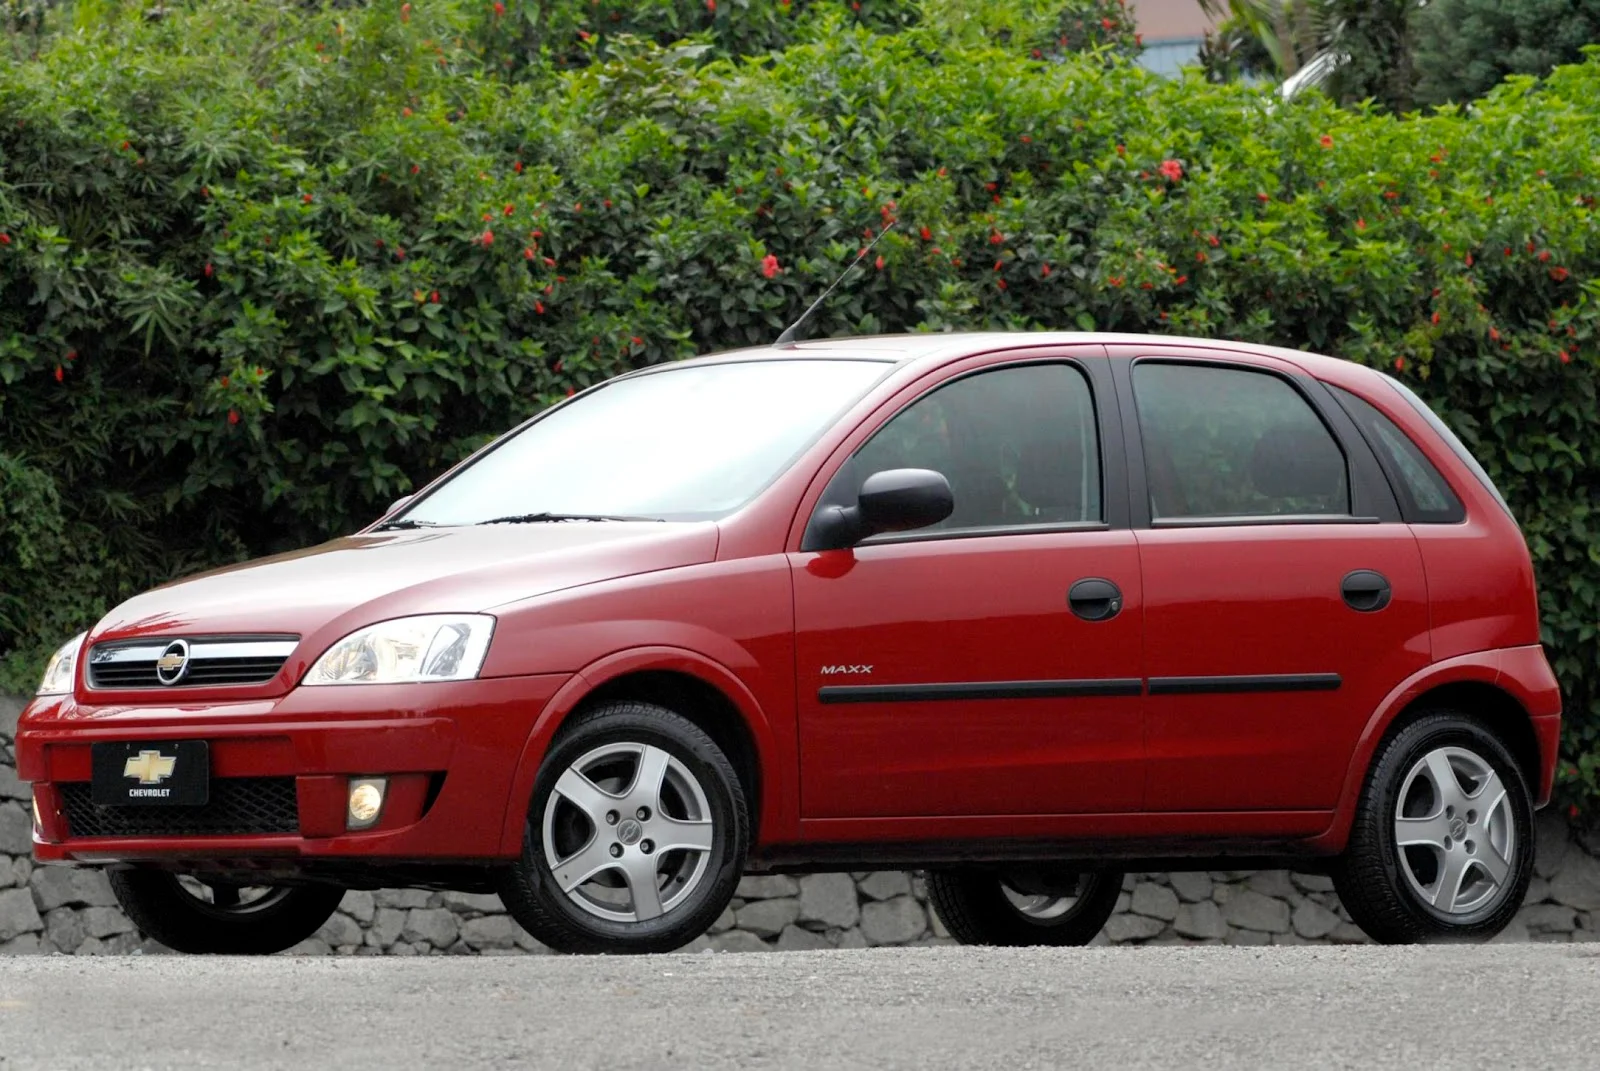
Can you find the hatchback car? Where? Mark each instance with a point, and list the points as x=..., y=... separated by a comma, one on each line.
x=1022, y=611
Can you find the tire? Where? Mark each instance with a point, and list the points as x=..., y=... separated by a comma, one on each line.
x=1401, y=894
x=177, y=913
x=599, y=833
x=975, y=907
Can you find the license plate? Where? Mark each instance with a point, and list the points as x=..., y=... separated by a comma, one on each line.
x=165, y=773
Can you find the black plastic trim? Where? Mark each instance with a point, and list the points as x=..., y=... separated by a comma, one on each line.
x=1263, y=682
x=911, y=693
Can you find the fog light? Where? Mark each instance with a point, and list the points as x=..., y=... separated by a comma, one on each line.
x=366, y=802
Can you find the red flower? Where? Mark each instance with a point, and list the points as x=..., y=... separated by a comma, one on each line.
x=1508, y=250
x=223, y=381
x=1180, y=280
x=1559, y=274
x=415, y=168
x=1436, y=318
x=583, y=35
x=5, y=239
x=1107, y=24
x=405, y=12
x=517, y=167
x=60, y=375
x=1116, y=281
x=942, y=172
x=434, y=297
x=527, y=253
x=879, y=262
x=1468, y=259
x=399, y=253
x=926, y=234
x=126, y=146
x=1544, y=255
x=769, y=265
x=1200, y=257
x=538, y=307
x=996, y=238
x=1566, y=358
x=711, y=6
x=1399, y=364
x=1001, y=283
x=637, y=341
x=499, y=9
x=1494, y=334
x=233, y=416
x=306, y=198
x=1122, y=150
x=208, y=270
x=1361, y=223
x=406, y=112
x=1263, y=197
x=72, y=355
x=487, y=239
x=1327, y=141
x=990, y=186
x=1027, y=139
x=1390, y=195
x=1214, y=240
x=1572, y=811
x=549, y=262
x=1044, y=271
x=1172, y=169
x=578, y=207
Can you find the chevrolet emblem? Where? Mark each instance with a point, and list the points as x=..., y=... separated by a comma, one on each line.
x=150, y=767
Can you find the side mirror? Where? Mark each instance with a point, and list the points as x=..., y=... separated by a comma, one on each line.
x=397, y=505
x=896, y=500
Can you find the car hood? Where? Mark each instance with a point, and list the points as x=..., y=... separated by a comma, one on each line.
x=354, y=581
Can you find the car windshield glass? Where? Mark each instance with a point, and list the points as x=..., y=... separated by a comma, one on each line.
x=687, y=443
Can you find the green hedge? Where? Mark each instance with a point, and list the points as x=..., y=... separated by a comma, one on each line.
x=262, y=271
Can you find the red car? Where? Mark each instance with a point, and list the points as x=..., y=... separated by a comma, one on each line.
x=1020, y=610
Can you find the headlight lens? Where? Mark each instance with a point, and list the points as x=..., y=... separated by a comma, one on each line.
x=60, y=671
x=434, y=647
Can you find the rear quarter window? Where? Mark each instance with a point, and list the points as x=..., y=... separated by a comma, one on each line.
x=1425, y=495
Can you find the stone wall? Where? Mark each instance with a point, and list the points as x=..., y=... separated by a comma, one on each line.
x=57, y=909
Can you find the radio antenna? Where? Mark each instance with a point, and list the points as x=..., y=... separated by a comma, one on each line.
x=787, y=338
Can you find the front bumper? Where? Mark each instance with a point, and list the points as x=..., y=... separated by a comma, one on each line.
x=450, y=751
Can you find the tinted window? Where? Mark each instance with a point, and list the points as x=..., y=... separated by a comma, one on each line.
x=684, y=443
x=1456, y=446
x=1424, y=494
x=1226, y=442
x=1018, y=445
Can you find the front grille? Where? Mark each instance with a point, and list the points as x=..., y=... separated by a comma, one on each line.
x=210, y=661
x=238, y=805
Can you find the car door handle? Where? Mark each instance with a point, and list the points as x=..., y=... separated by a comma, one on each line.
x=1095, y=599
x=1365, y=591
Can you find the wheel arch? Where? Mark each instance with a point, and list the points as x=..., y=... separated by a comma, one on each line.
x=690, y=684
x=1472, y=684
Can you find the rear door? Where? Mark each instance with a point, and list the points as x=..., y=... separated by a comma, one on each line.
x=988, y=665
x=1284, y=597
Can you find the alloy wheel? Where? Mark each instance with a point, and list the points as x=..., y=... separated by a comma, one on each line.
x=627, y=832
x=1454, y=831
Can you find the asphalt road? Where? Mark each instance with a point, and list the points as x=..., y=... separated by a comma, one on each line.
x=1499, y=1006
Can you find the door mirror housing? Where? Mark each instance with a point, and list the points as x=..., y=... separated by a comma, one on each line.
x=398, y=504
x=895, y=500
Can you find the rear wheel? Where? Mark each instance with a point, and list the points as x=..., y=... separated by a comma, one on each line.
x=1441, y=846
x=636, y=835
x=1024, y=905
x=204, y=916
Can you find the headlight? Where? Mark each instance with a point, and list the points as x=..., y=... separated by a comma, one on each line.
x=60, y=671
x=435, y=647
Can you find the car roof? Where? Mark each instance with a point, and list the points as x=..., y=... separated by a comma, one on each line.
x=935, y=349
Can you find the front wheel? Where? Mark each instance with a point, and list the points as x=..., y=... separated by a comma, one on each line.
x=190, y=915
x=1023, y=906
x=1441, y=846
x=636, y=835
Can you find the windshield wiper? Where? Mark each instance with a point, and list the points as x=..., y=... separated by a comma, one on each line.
x=405, y=523
x=547, y=517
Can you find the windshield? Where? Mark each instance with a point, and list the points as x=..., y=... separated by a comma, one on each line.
x=685, y=443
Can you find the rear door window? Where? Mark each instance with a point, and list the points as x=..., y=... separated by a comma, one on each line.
x=1224, y=442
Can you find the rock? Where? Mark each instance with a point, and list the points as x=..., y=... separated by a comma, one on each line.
x=893, y=922
x=10, y=709
x=1123, y=928
x=829, y=899
x=435, y=925
x=795, y=939
x=1313, y=921
x=1156, y=901
x=766, y=886
x=1551, y=838
x=16, y=829
x=1223, y=893
x=1348, y=933
x=767, y=918
x=1250, y=910
x=1200, y=920
x=886, y=884
x=738, y=941
x=8, y=873
x=65, y=929
x=311, y=946
x=1274, y=883
x=54, y=886
x=1249, y=937
x=1578, y=883
x=1548, y=918
x=1515, y=933
x=341, y=929
x=11, y=787
x=400, y=948
x=1538, y=891
x=26, y=945
x=482, y=903
x=17, y=914
x=852, y=939
x=387, y=922
x=1191, y=886
x=105, y=921
x=724, y=921
x=405, y=899
x=359, y=905
x=490, y=931
x=1312, y=882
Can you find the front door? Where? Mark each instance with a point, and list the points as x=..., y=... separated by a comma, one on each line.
x=989, y=665
x=1283, y=596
